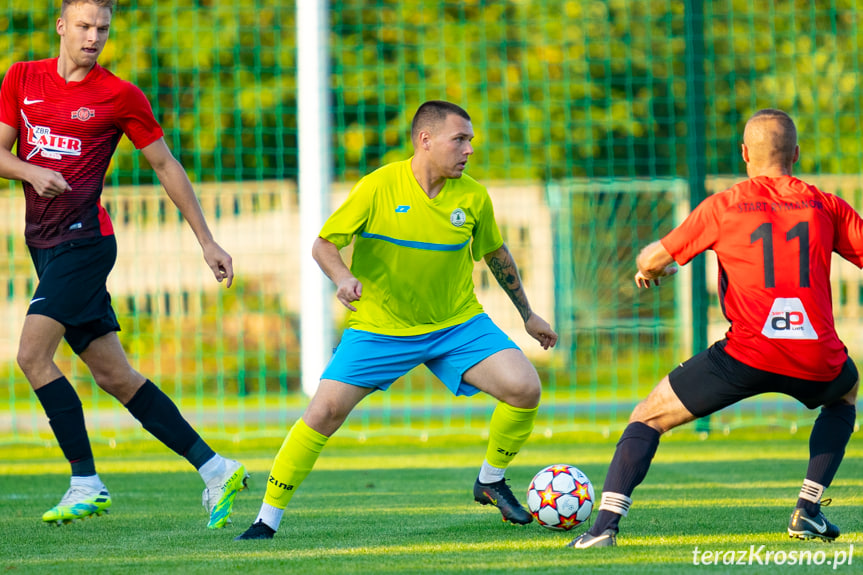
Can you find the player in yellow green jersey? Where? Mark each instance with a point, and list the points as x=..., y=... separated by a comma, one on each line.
x=418, y=225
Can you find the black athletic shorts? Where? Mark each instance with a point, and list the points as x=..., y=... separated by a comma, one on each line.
x=712, y=380
x=72, y=288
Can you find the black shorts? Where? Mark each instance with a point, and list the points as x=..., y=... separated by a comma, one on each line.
x=72, y=288
x=712, y=380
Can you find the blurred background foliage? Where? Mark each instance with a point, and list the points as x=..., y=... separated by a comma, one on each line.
x=557, y=89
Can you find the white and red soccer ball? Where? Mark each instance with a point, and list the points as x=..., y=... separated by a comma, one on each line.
x=560, y=497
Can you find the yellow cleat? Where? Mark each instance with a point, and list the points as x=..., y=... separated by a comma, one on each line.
x=219, y=500
x=78, y=503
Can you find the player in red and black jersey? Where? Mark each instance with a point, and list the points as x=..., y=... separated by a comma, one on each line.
x=67, y=115
x=773, y=236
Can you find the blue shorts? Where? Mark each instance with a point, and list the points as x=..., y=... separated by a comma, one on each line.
x=367, y=359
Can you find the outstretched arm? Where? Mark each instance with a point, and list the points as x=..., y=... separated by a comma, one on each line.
x=47, y=183
x=348, y=288
x=503, y=268
x=176, y=183
x=654, y=262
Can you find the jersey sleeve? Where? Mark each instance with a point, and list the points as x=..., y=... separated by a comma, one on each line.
x=136, y=117
x=848, y=232
x=351, y=217
x=486, y=235
x=9, y=96
x=697, y=233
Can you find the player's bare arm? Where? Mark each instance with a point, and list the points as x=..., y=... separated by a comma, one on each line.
x=348, y=288
x=47, y=183
x=178, y=187
x=505, y=271
x=654, y=262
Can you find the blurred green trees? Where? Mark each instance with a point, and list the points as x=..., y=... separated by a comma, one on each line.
x=557, y=88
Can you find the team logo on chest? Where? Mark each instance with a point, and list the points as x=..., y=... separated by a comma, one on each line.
x=457, y=217
x=50, y=145
x=83, y=114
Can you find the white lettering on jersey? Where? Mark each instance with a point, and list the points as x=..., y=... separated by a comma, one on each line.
x=788, y=320
x=50, y=145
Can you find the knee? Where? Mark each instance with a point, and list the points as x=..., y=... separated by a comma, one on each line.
x=121, y=383
x=25, y=359
x=324, y=417
x=646, y=413
x=524, y=395
x=30, y=359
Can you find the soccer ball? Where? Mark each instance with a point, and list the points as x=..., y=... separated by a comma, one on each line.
x=560, y=497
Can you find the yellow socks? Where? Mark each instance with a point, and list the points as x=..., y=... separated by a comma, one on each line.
x=508, y=431
x=293, y=462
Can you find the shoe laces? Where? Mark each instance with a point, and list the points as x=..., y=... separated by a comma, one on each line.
x=211, y=497
x=74, y=495
x=506, y=492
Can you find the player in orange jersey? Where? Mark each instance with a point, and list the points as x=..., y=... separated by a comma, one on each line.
x=774, y=236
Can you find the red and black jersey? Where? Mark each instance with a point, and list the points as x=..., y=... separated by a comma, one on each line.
x=774, y=238
x=72, y=128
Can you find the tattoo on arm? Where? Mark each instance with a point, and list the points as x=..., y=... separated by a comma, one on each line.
x=506, y=274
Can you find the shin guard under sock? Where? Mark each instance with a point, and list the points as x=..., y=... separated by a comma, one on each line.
x=158, y=414
x=66, y=417
x=629, y=466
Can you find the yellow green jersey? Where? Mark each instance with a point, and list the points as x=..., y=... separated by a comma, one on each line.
x=413, y=253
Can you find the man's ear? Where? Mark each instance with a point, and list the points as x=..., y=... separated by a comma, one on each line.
x=424, y=139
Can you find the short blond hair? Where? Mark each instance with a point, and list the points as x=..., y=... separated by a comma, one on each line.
x=109, y=4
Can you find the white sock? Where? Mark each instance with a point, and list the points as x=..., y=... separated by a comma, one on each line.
x=213, y=469
x=489, y=473
x=89, y=482
x=271, y=516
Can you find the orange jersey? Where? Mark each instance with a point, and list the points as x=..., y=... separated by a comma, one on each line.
x=774, y=238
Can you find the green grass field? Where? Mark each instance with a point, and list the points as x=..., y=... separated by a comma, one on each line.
x=405, y=506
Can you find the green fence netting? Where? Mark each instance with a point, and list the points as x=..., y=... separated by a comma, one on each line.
x=597, y=123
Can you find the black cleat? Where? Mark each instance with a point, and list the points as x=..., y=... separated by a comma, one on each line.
x=259, y=530
x=607, y=538
x=500, y=495
x=804, y=526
